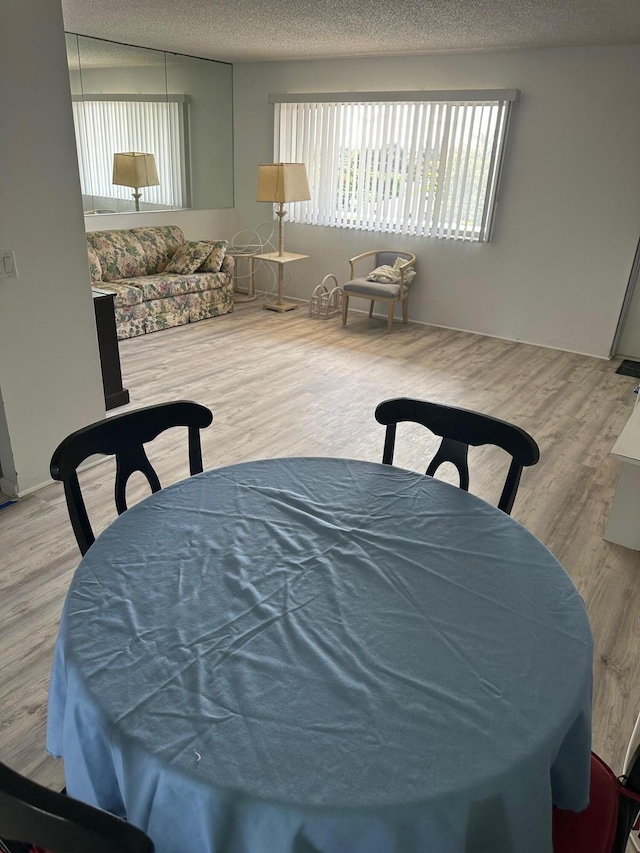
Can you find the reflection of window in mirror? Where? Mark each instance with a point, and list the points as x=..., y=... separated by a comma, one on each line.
x=176, y=107
x=153, y=125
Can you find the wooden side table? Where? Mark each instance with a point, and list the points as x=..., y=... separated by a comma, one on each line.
x=280, y=260
x=250, y=295
x=114, y=394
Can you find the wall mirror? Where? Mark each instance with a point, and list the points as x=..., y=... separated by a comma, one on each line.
x=177, y=108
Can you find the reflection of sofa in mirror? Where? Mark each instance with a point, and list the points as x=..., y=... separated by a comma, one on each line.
x=159, y=279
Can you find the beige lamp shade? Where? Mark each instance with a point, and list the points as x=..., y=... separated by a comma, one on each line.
x=280, y=183
x=283, y=182
x=134, y=169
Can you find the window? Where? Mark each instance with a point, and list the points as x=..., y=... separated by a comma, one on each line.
x=155, y=125
x=425, y=164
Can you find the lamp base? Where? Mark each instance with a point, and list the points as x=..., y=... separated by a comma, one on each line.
x=281, y=213
x=280, y=307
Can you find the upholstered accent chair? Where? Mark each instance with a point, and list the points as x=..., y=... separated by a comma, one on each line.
x=382, y=276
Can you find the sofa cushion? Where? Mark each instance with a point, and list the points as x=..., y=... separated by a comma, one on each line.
x=370, y=289
x=121, y=254
x=200, y=282
x=164, y=285
x=213, y=261
x=188, y=257
x=159, y=244
x=95, y=268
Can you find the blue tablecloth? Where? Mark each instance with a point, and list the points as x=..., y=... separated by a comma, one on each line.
x=309, y=654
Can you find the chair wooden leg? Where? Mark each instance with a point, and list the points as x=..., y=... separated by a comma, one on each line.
x=405, y=311
x=371, y=308
x=345, y=308
x=392, y=306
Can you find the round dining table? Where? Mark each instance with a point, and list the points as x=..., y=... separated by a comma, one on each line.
x=315, y=655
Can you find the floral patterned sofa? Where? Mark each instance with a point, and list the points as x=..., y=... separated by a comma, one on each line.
x=159, y=278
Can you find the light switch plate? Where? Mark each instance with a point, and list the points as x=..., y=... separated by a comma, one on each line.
x=8, y=268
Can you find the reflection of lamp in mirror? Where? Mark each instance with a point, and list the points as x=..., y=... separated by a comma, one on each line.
x=133, y=169
x=281, y=183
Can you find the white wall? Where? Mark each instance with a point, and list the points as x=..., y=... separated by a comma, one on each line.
x=50, y=381
x=569, y=213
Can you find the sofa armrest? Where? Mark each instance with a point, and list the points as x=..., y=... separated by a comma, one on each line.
x=95, y=267
x=228, y=265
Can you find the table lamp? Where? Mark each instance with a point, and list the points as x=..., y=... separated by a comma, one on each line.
x=281, y=183
x=133, y=169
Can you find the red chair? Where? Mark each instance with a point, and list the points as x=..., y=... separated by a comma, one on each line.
x=604, y=826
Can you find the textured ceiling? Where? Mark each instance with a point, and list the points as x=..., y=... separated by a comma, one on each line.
x=250, y=30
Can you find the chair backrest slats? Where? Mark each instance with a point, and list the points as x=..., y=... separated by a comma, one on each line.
x=195, y=450
x=128, y=461
x=459, y=429
x=124, y=437
x=456, y=452
x=511, y=484
x=78, y=513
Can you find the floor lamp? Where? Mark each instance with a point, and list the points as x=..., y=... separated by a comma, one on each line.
x=280, y=183
x=134, y=169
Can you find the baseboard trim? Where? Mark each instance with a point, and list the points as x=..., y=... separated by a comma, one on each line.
x=486, y=335
x=13, y=493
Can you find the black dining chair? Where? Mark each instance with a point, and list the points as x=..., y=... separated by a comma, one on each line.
x=460, y=428
x=124, y=437
x=31, y=814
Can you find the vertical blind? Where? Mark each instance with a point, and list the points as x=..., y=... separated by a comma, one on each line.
x=109, y=125
x=419, y=167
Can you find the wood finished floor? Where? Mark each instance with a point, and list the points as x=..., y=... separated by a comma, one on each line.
x=284, y=385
